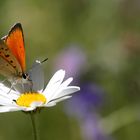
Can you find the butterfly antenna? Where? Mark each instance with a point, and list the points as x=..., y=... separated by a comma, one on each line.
x=44, y=60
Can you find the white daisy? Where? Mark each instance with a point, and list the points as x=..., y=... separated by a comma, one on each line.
x=55, y=91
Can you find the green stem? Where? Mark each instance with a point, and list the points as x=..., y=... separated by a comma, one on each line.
x=33, y=125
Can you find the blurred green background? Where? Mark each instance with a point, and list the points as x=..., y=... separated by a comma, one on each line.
x=107, y=34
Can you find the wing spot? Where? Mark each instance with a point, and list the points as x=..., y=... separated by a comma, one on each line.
x=2, y=48
x=6, y=49
x=11, y=61
x=14, y=66
x=7, y=55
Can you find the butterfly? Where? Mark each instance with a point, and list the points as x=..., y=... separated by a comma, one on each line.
x=12, y=56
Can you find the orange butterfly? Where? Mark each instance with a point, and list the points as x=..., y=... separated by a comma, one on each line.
x=12, y=55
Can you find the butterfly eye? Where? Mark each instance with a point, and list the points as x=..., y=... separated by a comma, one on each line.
x=24, y=75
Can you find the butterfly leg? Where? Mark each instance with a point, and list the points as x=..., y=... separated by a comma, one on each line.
x=31, y=86
x=11, y=87
x=3, y=81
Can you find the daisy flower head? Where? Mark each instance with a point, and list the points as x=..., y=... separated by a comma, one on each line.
x=55, y=91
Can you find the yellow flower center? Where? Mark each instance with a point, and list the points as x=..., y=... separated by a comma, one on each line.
x=27, y=99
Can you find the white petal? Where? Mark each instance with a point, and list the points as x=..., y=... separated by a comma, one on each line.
x=7, y=99
x=36, y=104
x=62, y=86
x=50, y=104
x=4, y=89
x=27, y=108
x=54, y=84
x=60, y=99
x=53, y=103
x=10, y=96
x=8, y=109
x=67, y=82
x=57, y=77
x=65, y=91
x=7, y=92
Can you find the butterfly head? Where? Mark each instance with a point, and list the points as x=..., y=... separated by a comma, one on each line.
x=25, y=77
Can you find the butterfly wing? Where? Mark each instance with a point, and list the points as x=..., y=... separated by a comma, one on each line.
x=37, y=76
x=9, y=65
x=15, y=42
x=6, y=69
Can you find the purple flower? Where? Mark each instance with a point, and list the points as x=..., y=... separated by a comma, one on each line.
x=83, y=106
x=72, y=59
x=88, y=99
x=91, y=130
